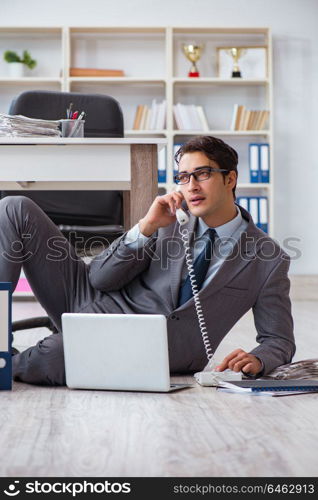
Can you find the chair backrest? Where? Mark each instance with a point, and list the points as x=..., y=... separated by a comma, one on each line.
x=104, y=117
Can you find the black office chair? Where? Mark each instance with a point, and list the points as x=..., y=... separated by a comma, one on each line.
x=79, y=213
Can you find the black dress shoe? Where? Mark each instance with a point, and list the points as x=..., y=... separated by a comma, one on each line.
x=14, y=351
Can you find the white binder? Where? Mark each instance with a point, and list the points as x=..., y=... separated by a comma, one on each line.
x=264, y=162
x=253, y=209
x=243, y=202
x=263, y=213
x=254, y=162
x=5, y=337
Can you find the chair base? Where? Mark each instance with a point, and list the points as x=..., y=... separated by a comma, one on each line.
x=39, y=322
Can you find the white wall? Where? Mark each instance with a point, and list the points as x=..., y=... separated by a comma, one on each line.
x=294, y=26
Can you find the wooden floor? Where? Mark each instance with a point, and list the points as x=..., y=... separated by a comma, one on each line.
x=194, y=432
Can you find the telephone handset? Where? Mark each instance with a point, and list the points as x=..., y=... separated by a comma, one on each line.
x=208, y=376
x=182, y=217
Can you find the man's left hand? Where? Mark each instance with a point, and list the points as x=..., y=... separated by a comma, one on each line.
x=240, y=360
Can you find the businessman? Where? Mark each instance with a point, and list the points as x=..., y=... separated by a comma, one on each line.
x=237, y=268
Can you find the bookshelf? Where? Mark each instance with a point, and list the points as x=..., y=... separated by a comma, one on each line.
x=154, y=68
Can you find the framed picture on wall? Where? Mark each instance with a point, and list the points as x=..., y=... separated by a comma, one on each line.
x=242, y=61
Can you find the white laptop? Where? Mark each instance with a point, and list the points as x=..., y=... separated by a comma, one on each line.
x=122, y=352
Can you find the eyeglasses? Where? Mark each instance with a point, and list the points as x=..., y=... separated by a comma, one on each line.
x=202, y=174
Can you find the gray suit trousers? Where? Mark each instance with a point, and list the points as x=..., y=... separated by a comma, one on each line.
x=59, y=280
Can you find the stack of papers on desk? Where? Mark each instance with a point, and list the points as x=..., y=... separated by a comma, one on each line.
x=22, y=126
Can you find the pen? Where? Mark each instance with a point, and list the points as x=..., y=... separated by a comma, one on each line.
x=68, y=111
x=77, y=124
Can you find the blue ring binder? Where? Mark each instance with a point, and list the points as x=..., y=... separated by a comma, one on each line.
x=306, y=388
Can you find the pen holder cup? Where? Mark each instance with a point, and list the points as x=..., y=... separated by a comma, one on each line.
x=72, y=128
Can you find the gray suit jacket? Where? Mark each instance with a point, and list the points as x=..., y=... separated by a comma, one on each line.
x=253, y=276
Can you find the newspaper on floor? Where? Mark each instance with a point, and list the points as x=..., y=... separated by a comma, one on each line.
x=303, y=369
x=23, y=126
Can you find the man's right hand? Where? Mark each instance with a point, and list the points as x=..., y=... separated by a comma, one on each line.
x=162, y=213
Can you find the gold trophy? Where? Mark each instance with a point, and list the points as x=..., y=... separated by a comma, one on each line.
x=193, y=53
x=236, y=53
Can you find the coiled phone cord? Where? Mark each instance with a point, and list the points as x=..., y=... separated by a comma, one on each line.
x=203, y=329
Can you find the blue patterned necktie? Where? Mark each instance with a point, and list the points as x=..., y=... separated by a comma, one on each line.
x=200, y=267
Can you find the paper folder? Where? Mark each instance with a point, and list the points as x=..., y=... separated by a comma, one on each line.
x=5, y=337
x=306, y=385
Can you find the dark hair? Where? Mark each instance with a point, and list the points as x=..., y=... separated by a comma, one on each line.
x=215, y=149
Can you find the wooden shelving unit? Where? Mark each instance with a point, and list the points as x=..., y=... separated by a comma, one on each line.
x=155, y=68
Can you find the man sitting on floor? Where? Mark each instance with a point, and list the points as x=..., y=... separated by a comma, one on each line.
x=144, y=271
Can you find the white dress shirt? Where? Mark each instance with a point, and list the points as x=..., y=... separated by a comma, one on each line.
x=227, y=235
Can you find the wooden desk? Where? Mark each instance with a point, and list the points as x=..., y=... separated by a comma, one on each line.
x=91, y=164
x=195, y=432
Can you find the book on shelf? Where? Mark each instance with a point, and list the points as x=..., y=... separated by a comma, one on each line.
x=147, y=119
x=153, y=118
x=184, y=116
x=153, y=115
x=255, y=121
x=177, y=117
x=203, y=118
x=240, y=117
x=96, y=72
x=162, y=165
x=137, y=117
x=263, y=119
x=161, y=116
x=246, y=119
x=195, y=122
x=143, y=117
x=190, y=117
x=243, y=121
x=234, y=117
